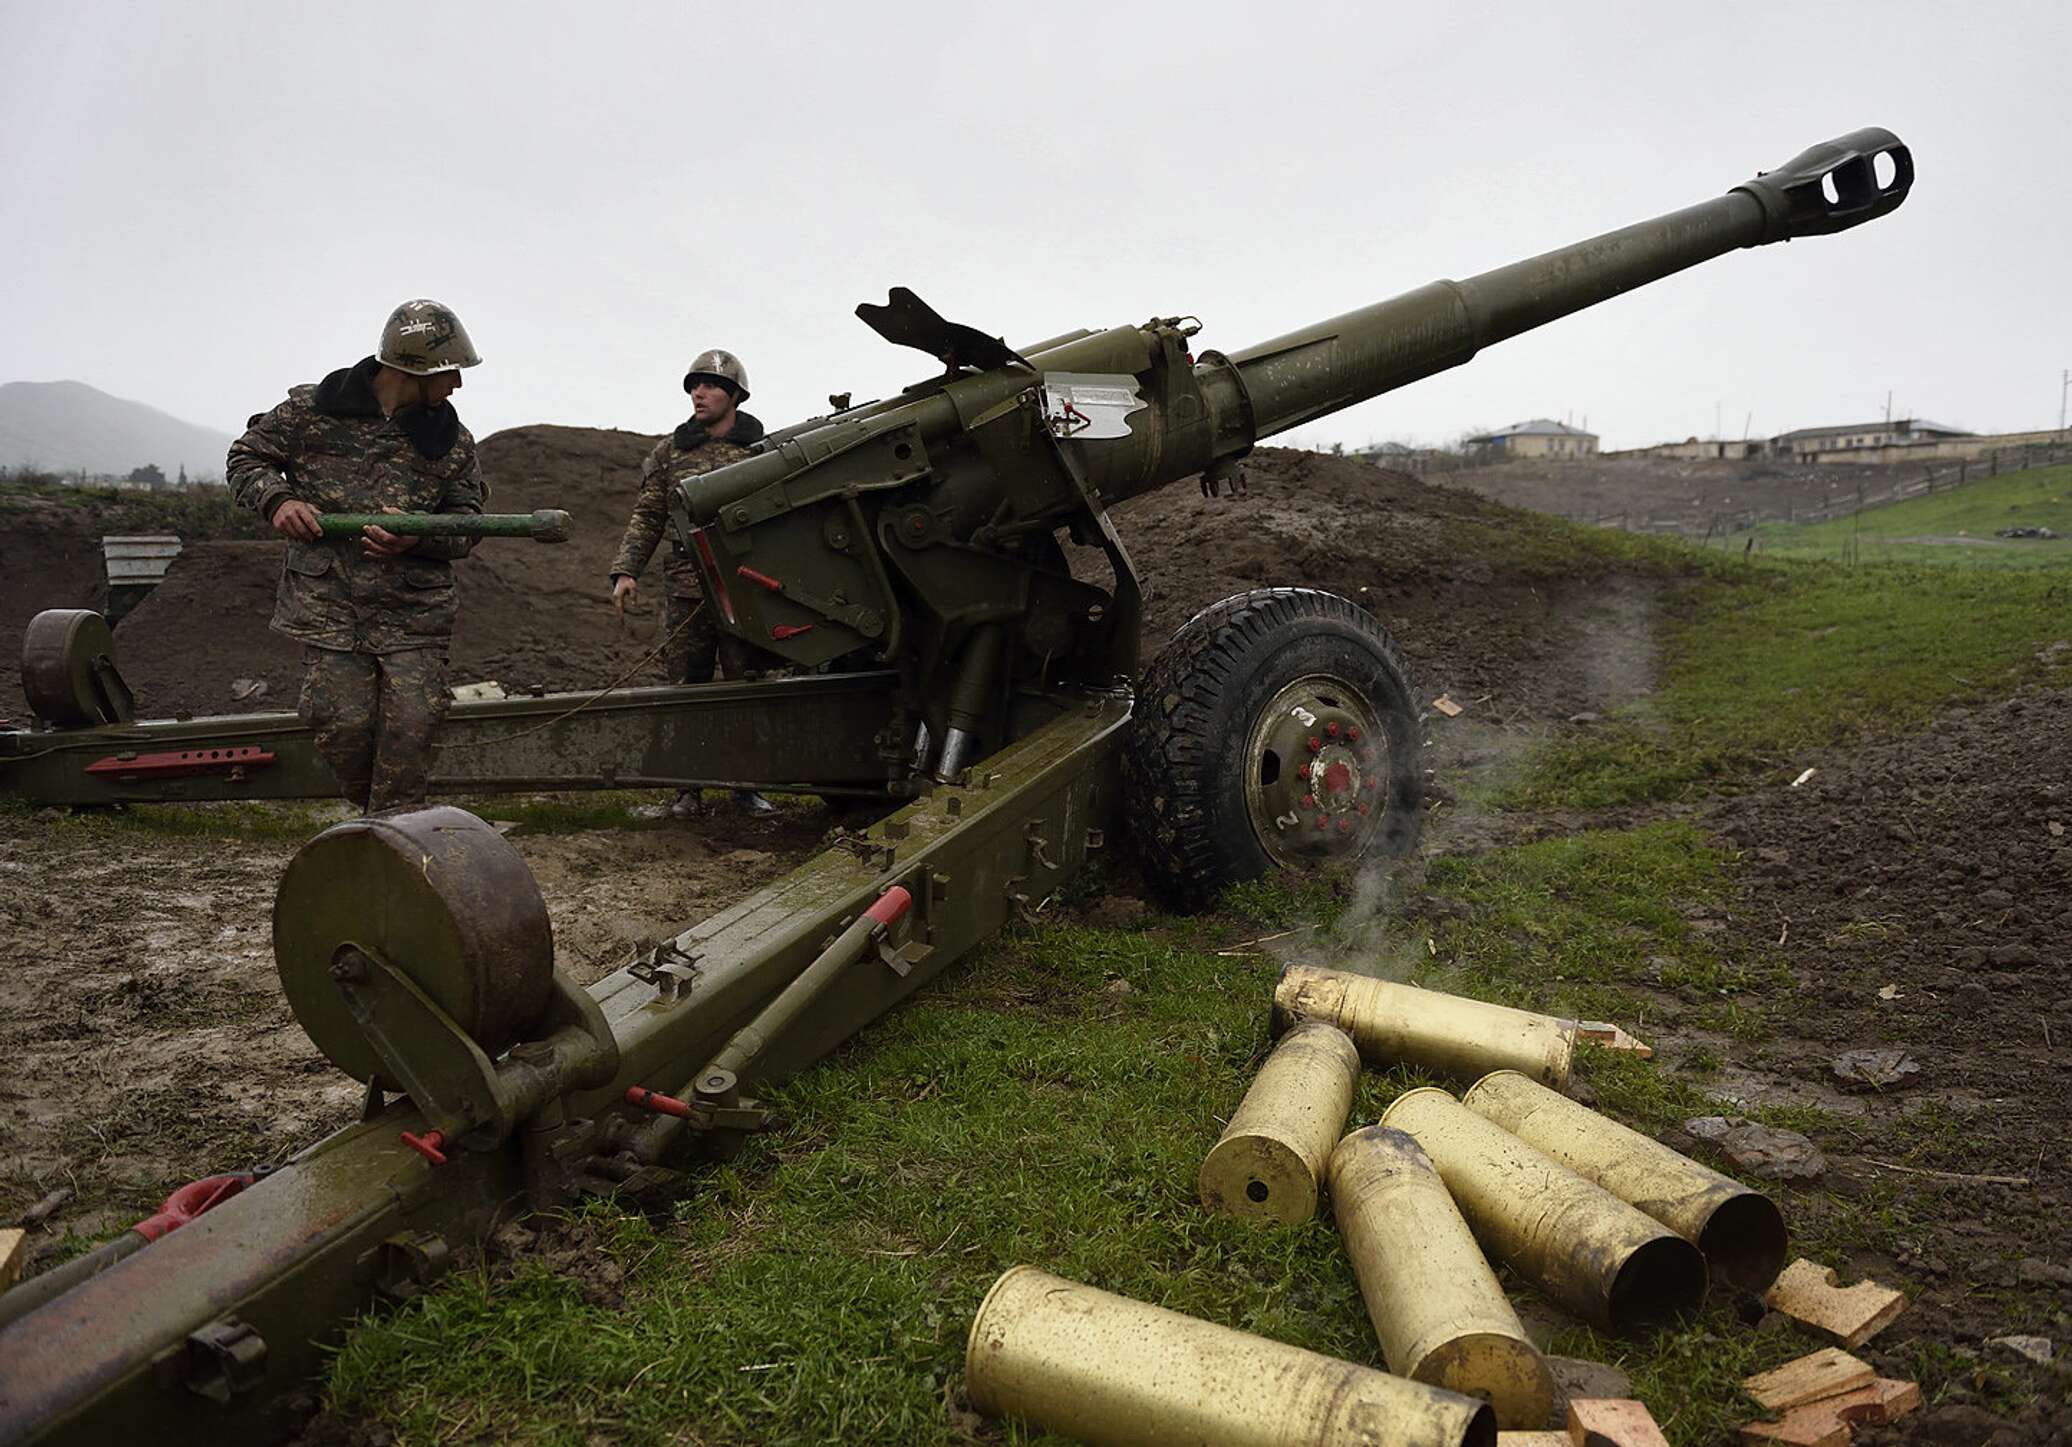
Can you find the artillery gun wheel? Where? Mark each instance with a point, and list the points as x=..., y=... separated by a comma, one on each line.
x=438, y=894
x=1277, y=730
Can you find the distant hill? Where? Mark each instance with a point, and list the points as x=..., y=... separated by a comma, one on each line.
x=66, y=426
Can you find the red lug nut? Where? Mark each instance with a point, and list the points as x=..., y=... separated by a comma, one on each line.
x=1331, y=728
x=1353, y=734
x=1315, y=743
x=1309, y=801
x=1322, y=821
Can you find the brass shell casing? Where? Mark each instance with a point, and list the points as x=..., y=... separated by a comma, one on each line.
x=1441, y=1316
x=1579, y=1243
x=1392, y=1023
x=1279, y=1140
x=1106, y=1369
x=1740, y=1231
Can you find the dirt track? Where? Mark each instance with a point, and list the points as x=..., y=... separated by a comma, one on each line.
x=139, y=967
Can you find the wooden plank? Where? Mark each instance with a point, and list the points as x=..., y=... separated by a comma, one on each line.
x=1612, y=1422
x=1826, y=1373
x=1830, y=1421
x=1852, y=1315
x=1532, y=1439
x=1611, y=1037
x=13, y=1247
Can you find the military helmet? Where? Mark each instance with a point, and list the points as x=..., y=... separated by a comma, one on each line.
x=423, y=337
x=720, y=367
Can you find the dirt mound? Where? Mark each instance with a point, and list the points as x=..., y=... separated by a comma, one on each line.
x=535, y=615
x=1478, y=620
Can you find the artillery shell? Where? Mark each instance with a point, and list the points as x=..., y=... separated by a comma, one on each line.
x=1277, y=1144
x=1106, y=1369
x=1441, y=1316
x=1740, y=1231
x=1579, y=1243
x=1392, y=1023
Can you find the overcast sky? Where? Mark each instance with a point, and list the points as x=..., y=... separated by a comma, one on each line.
x=208, y=202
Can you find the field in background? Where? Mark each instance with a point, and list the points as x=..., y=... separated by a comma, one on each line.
x=1955, y=528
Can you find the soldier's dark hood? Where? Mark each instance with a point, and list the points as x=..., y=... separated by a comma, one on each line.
x=349, y=392
x=746, y=431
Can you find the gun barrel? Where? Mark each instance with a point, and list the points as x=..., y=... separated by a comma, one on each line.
x=546, y=525
x=1334, y=364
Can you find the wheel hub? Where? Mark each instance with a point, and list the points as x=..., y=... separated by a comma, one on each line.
x=1316, y=767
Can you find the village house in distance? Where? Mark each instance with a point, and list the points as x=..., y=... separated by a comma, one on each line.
x=1897, y=439
x=1541, y=437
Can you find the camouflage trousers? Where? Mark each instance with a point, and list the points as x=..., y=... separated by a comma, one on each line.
x=700, y=652
x=373, y=715
x=693, y=652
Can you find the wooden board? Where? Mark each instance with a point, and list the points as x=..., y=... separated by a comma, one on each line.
x=1826, y=1373
x=1852, y=1315
x=13, y=1247
x=1619, y=1421
x=1831, y=1421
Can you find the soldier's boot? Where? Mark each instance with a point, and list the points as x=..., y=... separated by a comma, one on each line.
x=748, y=801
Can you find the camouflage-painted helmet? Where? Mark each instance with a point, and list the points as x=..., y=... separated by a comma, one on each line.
x=719, y=366
x=423, y=337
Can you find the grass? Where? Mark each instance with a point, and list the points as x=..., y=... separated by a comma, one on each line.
x=1764, y=667
x=298, y=819
x=1966, y=519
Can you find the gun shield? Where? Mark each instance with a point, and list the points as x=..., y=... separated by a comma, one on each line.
x=1441, y=1316
x=1106, y=1369
x=1740, y=1231
x=1393, y=1024
x=1278, y=1142
x=1579, y=1243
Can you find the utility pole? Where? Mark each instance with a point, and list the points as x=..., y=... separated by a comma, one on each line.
x=2064, y=385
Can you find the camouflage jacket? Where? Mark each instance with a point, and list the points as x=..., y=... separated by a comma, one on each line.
x=684, y=453
x=329, y=446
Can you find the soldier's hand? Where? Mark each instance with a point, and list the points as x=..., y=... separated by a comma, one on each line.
x=381, y=543
x=625, y=589
x=298, y=520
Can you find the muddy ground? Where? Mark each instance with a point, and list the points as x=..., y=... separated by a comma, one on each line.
x=1920, y=890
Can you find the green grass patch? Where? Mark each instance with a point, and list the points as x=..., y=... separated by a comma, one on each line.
x=1784, y=659
x=1541, y=545
x=620, y=810
x=1051, y=1103
x=259, y=820
x=1962, y=522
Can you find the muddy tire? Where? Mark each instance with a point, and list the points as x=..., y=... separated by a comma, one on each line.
x=1277, y=730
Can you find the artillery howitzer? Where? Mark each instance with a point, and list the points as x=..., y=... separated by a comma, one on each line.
x=910, y=547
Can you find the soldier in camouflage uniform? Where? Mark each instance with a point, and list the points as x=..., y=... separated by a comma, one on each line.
x=375, y=613
x=716, y=433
